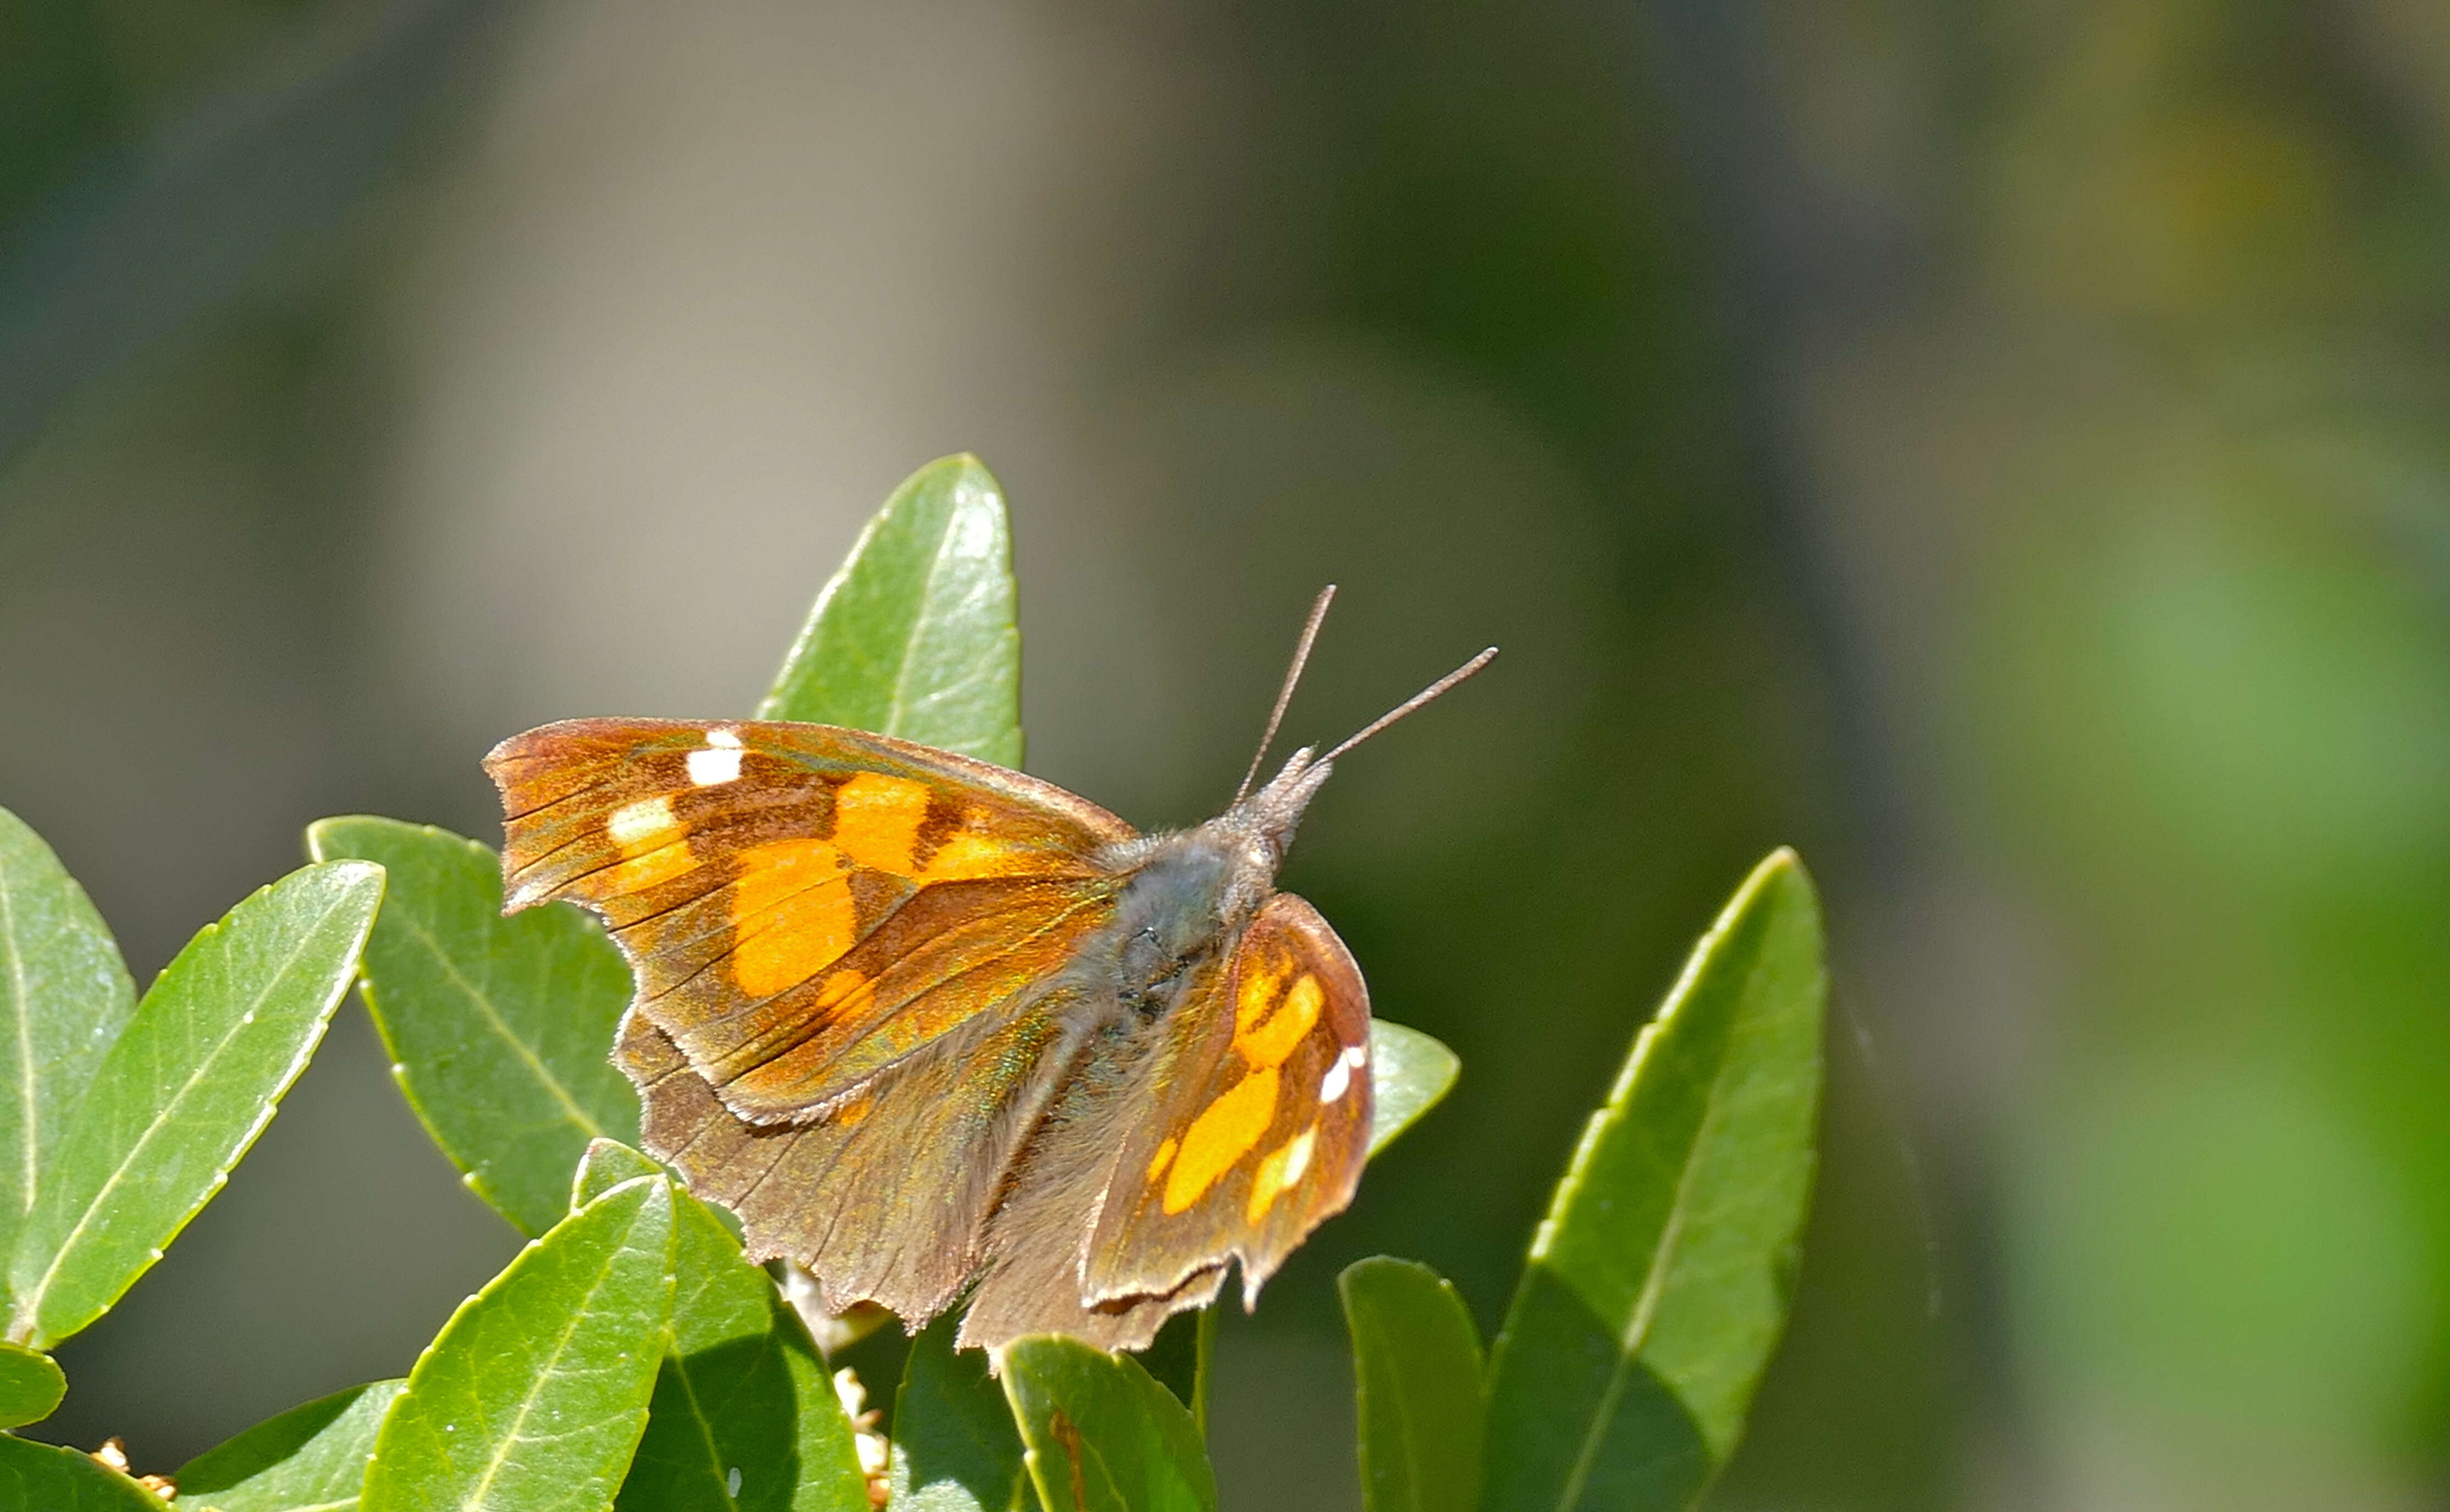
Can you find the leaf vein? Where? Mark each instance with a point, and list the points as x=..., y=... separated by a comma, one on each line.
x=1654, y=1285
x=493, y=1017
x=29, y=1305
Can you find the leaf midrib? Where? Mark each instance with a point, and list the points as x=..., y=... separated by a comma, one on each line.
x=1654, y=1285
x=484, y=1002
x=475, y=1501
x=27, y=1109
x=898, y=710
x=29, y=1305
x=704, y=1425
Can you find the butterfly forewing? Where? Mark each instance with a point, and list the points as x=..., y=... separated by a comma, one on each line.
x=804, y=906
x=1258, y=1117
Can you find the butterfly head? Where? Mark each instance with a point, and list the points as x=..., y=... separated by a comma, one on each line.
x=1240, y=850
x=1266, y=820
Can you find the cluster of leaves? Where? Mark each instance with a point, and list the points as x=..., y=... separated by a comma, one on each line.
x=631, y=1356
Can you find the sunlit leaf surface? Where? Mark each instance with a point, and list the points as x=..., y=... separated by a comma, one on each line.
x=1659, y=1283
x=64, y=998
x=1410, y=1073
x=534, y=1393
x=1102, y=1435
x=606, y=1164
x=1417, y=1375
x=917, y=635
x=42, y=1478
x=499, y=1028
x=31, y=1386
x=309, y=1459
x=187, y=1086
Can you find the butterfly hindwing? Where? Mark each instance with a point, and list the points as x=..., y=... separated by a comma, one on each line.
x=1258, y=1122
x=1030, y=1277
x=803, y=906
x=885, y=1199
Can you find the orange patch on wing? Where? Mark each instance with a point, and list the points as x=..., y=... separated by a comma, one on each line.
x=1257, y=995
x=967, y=856
x=1278, y=1170
x=1223, y=1133
x=1266, y=1044
x=1163, y=1157
x=795, y=914
x=877, y=820
x=652, y=846
x=844, y=993
x=639, y=872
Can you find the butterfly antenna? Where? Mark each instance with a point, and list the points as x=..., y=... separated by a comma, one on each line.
x=1408, y=705
x=1285, y=694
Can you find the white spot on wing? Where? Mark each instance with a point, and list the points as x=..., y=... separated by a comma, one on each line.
x=1297, y=1154
x=725, y=736
x=715, y=765
x=1336, y=1082
x=632, y=823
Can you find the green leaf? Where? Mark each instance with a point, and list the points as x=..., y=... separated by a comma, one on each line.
x=1179, y=1357
x=606, y=1164
x=1102, y=1436
x=309, y=1459
x=534, y=1393
x=45, y=1478
x=30, y=1386
x=745, y=1418
x=1417, y=1368
x=500, y=1030
x=190, y=1084
x=917, y=635
x=1410, y=1073
x=955, y=1449
x=64, y=998
x=1659, y=1283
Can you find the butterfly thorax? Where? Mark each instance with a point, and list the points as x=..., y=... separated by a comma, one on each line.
x=1187, y=894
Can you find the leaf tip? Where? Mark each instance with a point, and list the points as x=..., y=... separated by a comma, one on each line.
x=1781, y=870
x=356, y=873
x=318, y=838
x=966, y=481
x=1411, y=1073
x=968, y=467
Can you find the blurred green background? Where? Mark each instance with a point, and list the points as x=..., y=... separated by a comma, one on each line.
x=1997, y=446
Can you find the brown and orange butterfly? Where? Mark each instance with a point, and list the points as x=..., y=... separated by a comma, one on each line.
x=931, y=1027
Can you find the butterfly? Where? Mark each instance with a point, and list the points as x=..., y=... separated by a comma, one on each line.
x=932, y=1028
